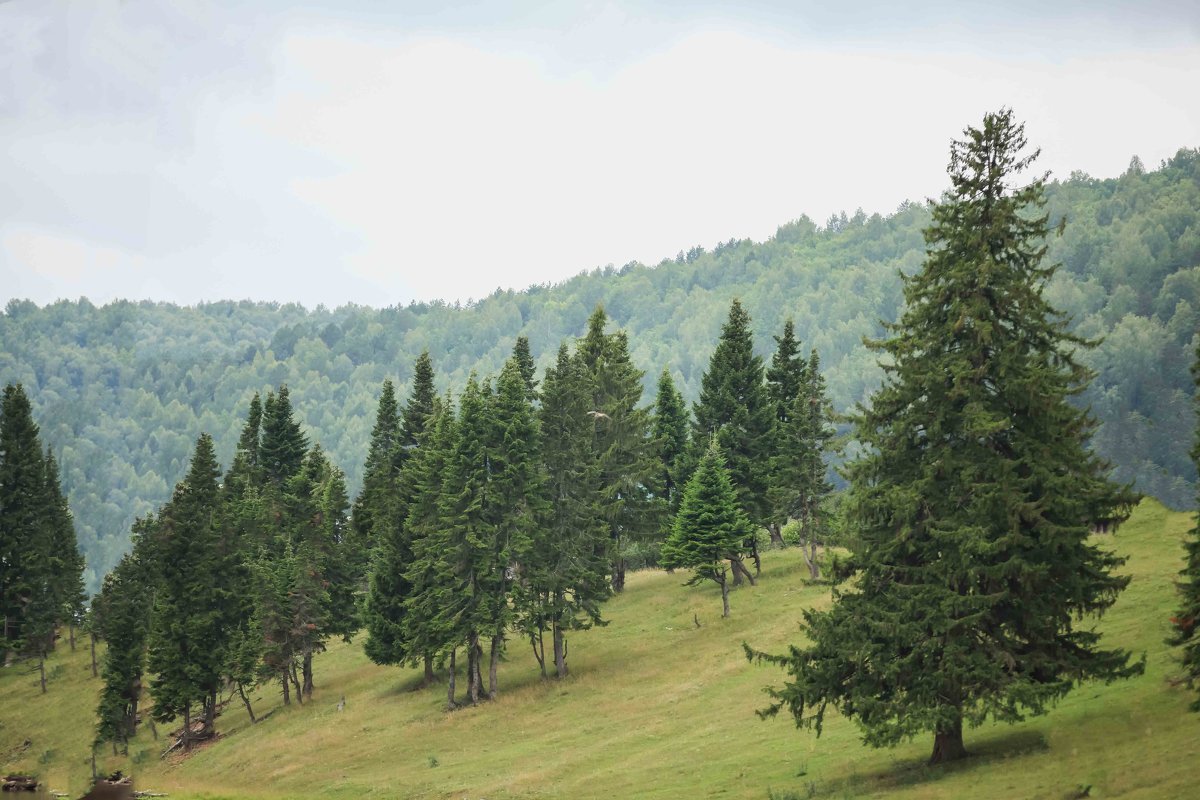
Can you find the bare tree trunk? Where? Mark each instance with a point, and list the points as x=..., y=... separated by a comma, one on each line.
x=308, y=674
x=153, y=729
x=187, y=727
x=450, y=704
x=538, y=643
x=776, y=532
x=296, y=683
x=948, y=744
x=724, y=595
x=474, y=676
x=42, y=670
x=210, y=713
x=739, y=571
x=430, y=678
x=757, y=558
x=560, y=651
x=283, y=678
x=71, y=629
x=814, y=566
x=94, y=672
x=618, y=575
x=246, y=702
x=493, y=666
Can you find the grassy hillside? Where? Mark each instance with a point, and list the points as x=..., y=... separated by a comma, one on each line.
x=655, y=707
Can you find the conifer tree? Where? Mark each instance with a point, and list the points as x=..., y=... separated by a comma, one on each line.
x=565, y=573
x=670, y=439
x=389, y=587
x=975, y=494
x=785, y=378
x=1186, y=635
x=187, y=642
x=800, y=484
x=66, y=562
x=622, y=445
x=734, y=407
x=379, y=473
x=283, y=445
x=22, y=485
x=710, y=525
x=526, y=366
x=124, y=626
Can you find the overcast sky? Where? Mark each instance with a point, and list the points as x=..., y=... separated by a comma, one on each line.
x=375, y=153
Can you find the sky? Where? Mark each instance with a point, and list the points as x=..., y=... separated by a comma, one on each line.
x=379, y=153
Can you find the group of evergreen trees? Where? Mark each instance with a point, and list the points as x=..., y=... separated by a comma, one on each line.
x=232, y=583
x=41, y=568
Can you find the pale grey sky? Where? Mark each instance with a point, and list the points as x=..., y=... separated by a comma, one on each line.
x=333, y=152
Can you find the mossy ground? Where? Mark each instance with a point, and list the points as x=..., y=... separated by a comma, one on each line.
x=655, y=707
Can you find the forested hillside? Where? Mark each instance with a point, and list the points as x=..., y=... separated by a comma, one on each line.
x=122, y=391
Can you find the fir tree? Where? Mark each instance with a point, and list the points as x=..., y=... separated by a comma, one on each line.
x=734, y=407
x=622, y=446
x=283, y=445
x=526, y=366
x=785, y=379
x=800, y=485
x=670, y=439
x=66, y=561
x=1186, y=635
x=187, y=642
x=124, y=626
x=975, y=494
x=565, y=572
x=420, y=402
x=710, y=525
x=379, y=473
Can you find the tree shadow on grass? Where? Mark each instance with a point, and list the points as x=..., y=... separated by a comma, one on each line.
x=982, y=753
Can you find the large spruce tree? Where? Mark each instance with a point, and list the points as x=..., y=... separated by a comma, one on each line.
x=1186, y=620
x=735, y=408
x=670, y=441
x=975, y=493
x=785, y=380
x=24, y=542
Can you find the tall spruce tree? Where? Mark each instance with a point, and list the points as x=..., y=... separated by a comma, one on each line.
x=1186, y=635
x=670, y=441
x=379, y=471
x=187, y=642
x=734, y=407
x=526, y=366
x=124, y=626
x=282, y=445
x=975, y=494
x=622, y=444
x=24, y=545
x=710, y=525
x=785, y=379
x=389, y=587
x=800, y=486
x=565, y=572
x=66, y=561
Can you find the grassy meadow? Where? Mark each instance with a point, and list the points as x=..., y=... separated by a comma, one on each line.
x=655, y=707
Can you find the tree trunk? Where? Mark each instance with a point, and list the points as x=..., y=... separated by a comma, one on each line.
x=308, y=674
x=210, y=713
x=739, y=571
x=153, y=729
x=724, y=595
x=71, y=628
x=776, y=532
x=283, y=678
x=493, y=666
x=560, y=651
x=246, y=701
x=538, y=642
x=948, y=744
x=296, y=683
x=430, y=678
x=95, y=674
x=474, y=676
x=186, y=738
x=618, y=575
x=757, y=558
x=814, y=566
x=450, y=704
x=42, y=670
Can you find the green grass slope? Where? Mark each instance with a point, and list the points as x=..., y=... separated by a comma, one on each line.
x=655, y=707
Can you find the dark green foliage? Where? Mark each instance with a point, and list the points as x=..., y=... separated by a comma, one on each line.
x=735, y=408
x=710, y=526
x=126, y=601
x=526, y=365
x=379, y=473
x=420, y=402
x=800, y=486
x=66, y=562
x=670, y=440
x=1186, y=634
x=187, y=640
x=565, y=571
x=622, y=445
x=283, y=444
x=974, y=496
x=785, y=376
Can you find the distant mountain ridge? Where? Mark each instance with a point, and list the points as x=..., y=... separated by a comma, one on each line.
x=121, y=391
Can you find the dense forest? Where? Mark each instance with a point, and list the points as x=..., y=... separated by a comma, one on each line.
x=122, y=391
